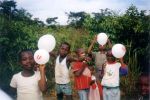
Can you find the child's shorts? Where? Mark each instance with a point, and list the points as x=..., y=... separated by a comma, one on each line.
x=111, y=93
x=64, y=88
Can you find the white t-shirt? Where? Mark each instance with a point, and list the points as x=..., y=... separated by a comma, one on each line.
x=111, y=75
x=27, y=87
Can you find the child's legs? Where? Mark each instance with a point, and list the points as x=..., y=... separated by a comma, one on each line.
x=60, y=96
x=83, y=94
x=67, y=91
x=59, y=92
x=105, y=93
x=111, y=93
x=114, y=94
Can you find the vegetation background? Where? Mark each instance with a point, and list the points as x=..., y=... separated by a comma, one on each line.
x=19, y=31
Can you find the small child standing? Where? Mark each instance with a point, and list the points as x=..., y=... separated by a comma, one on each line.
x=29, y=84
x=110, y=80
x=95, y=92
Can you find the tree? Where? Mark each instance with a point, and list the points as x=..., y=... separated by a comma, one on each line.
x=8, y=8
x=76, y=19
x=52, y=21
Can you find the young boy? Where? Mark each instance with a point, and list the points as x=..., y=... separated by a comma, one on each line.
x=110, y=80
x=82, y=75
x=62, y=79
x=28, y=83
x=99, y=57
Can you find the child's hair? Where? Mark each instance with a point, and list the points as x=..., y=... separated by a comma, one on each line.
x=24, y=50
x=66, y=43
x=109, y=53
x=78, y=49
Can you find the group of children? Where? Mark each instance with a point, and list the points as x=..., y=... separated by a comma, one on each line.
x=92, y=83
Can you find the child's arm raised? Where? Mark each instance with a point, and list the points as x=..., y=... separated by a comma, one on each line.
x=123, y=68
x=92, y=44
x=109, y=43
x=42, y=82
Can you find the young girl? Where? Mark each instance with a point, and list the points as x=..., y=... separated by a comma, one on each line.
x=95, y=92
x=28, y=83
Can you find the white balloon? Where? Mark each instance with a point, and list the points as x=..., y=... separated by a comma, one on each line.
x=102, y=38
x=41, y=56
x=47, y=42
x=118, y=50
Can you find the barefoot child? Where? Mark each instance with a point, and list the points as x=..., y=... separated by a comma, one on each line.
x=28, y=83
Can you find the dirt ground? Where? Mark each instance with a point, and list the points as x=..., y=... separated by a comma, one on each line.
x=54, y=98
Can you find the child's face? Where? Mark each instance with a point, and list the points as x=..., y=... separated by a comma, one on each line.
x=110, y=57
x=64, y=50
x=101, y=48
x=81, y=53
x=27, y=60
x=144, y=85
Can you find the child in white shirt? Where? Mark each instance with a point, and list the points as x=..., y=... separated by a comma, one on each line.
x=28, y=83
x=110, y=80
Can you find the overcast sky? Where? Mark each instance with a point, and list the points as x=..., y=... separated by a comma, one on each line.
x=43, y=9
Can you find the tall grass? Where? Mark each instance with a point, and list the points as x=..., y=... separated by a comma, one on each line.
x=129, y=82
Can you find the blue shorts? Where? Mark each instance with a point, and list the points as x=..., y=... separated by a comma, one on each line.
x=64, y=88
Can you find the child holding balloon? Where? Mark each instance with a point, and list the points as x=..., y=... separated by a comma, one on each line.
x=110, y=80
x=29, y=84
x=100, y=56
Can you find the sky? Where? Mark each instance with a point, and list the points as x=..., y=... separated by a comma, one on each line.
x=43, y=9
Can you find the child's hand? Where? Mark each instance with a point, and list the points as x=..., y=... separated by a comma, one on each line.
x=88, y=59
x=92, y=82
x=121, y=59
x=122, y=62
x=42, y=67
